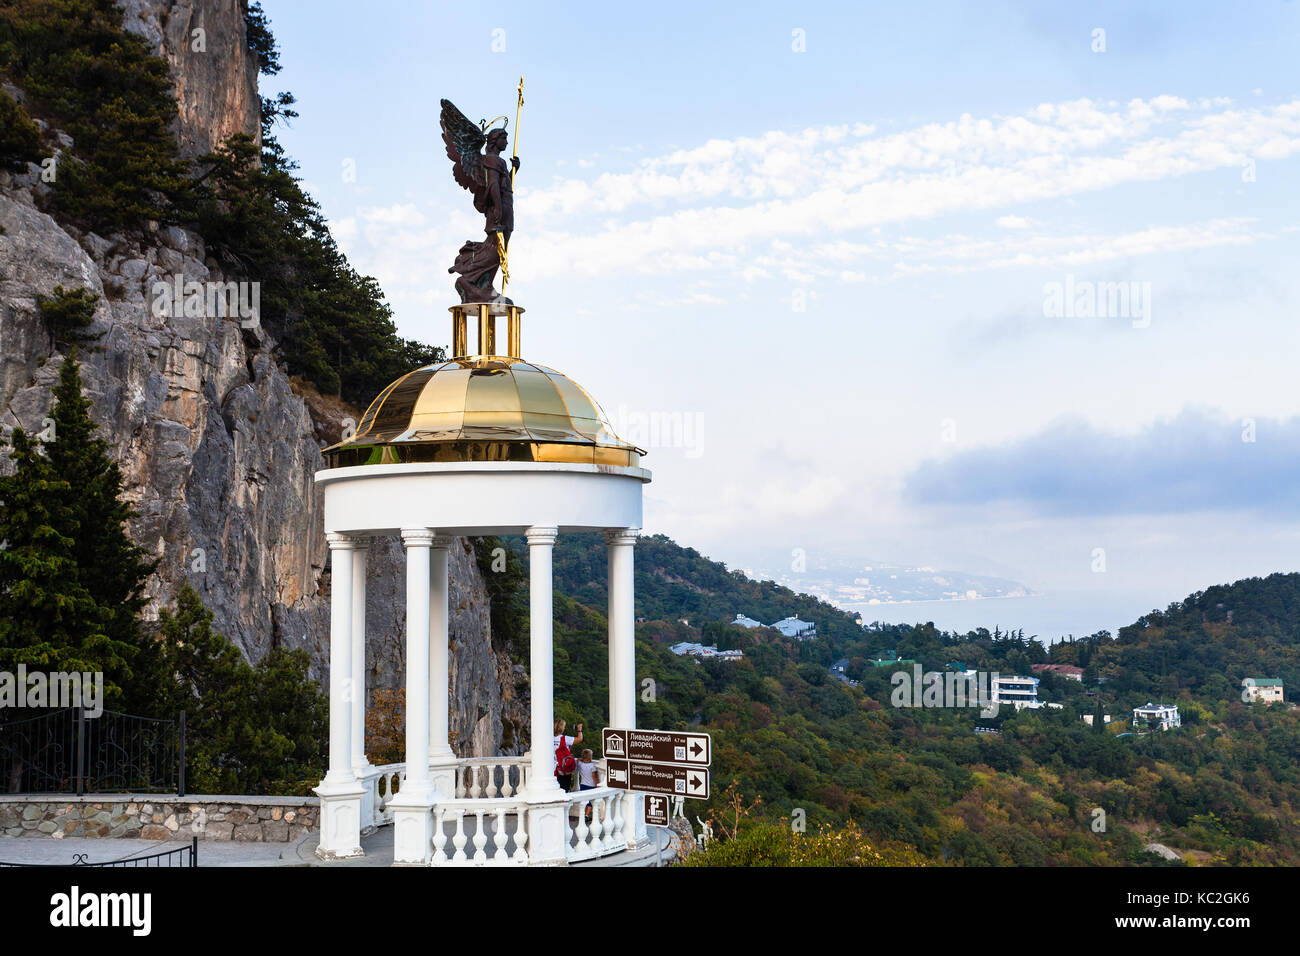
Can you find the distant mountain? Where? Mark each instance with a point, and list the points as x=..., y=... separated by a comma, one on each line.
x=844, y=584
x=674, y=582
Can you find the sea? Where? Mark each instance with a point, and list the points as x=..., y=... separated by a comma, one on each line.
x=1048, y=616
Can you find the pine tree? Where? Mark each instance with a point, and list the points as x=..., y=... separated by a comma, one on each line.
x=250, y=730
x=113, y=568
x=48, y=619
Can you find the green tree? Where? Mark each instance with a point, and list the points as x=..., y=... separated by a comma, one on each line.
x=112, y=568
x=67, y=314
x=108, y=89
x=48, y=618
x=20, y=138
x=249, y=730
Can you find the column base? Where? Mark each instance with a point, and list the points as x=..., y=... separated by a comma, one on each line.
x=546, y=837
x=442, y=772
x=638, y=833
x=413, y=828
x=340, y=820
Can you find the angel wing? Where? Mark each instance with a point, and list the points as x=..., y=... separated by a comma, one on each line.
x=464, y=142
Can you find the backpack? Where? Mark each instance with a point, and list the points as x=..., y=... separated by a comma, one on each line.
x=564, y=762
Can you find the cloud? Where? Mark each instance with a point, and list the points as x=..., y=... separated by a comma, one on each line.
x=680, y=211
x=1196, y=462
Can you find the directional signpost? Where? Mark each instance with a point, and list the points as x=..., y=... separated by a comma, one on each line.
x=669, y=779
x=658, y=762
x=659, y=746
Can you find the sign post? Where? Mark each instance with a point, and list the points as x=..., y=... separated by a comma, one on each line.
x=660, y=764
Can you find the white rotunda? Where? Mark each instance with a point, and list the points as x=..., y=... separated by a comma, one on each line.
x=479, y=444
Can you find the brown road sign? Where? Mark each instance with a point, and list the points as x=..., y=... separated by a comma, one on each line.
x=672, y=780
x=659, y=746
x=656, y=810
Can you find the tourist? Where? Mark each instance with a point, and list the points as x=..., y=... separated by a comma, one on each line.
x=587, y=771
x=563, y=762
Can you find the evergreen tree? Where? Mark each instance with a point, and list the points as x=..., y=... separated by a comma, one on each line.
x=48, y=619
x=249, y=730
x=112, y=568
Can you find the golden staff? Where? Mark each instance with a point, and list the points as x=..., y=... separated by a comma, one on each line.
x=518, y=107
x=501, y=243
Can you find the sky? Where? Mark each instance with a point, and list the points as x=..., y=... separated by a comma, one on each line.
x=1004, y=289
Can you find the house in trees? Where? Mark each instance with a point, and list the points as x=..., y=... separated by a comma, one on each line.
x=1267, y=689
x=1156, y=717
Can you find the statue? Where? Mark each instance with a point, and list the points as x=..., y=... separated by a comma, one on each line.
x=491, y=180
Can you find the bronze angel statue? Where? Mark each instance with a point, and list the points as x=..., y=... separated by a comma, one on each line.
x=475, y=152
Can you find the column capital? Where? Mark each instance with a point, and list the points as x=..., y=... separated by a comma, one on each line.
x=344, y=542
x=441, y=542
x=417, y=537
x=542, y=534
x=621, y=536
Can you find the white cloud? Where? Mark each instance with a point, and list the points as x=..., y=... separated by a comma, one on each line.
x=811, y=205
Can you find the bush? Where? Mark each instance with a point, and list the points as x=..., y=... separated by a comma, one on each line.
x=20, y=139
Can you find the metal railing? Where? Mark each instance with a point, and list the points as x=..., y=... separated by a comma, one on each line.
x=66, y=751
x=185, y=856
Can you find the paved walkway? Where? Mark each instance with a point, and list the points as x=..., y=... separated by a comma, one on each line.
x=50, y=851
x=378, y=847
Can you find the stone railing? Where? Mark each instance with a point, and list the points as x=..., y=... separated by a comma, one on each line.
x=490, y=778
x=595, y=824
x=381, y=784
x=480, y=832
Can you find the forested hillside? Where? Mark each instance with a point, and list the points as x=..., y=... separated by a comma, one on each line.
x=1046, y=788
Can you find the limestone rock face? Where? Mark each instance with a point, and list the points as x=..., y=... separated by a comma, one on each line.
x=217, y=448
x=215, y=73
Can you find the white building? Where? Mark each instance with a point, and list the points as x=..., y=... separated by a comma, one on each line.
x=1019, y=692
x=1156, y=717
x=746, y=621
x=1267, y=689
x=793, y=627
x=702, y=650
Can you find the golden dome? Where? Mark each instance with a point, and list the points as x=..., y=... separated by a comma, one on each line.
x=483, y=408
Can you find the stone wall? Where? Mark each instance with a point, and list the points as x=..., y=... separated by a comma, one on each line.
x=153, y=817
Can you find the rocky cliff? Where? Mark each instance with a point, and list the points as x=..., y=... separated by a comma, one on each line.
x=217, y=446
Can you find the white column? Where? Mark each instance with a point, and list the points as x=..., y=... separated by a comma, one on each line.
x=548, y=804
x=619, y=548
x=412, y=814
x=442, y=759
x=359, y=762
x=340, y=793
x=541, y=665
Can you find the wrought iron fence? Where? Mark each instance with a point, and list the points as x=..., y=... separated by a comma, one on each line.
x=185, y=856
x=65, y=751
